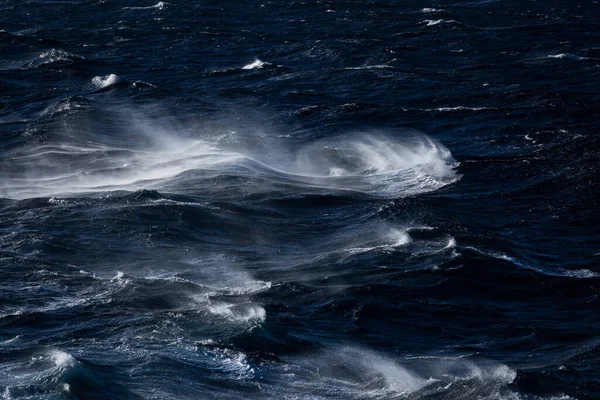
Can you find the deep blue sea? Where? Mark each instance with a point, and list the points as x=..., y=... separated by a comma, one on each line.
x=309, y=199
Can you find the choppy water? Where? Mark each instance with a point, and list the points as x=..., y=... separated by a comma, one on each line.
x=299, y=200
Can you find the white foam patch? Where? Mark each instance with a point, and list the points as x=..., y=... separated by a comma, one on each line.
x=567, y=56
x=451, y=244
x=53, y=56
x=580, y=273
x=376, y=66
x=160, y=6
x=389, y=239
x=249, y=287
x=374, y=166
x=244, y=313
x=428, y=10
x=106, y=81
x=62, y=359
x=459, y=108
x=256, y=64
x=434, y=22
x=398, y=379
x=561, y=272
x=61, y=107
x=12, y=341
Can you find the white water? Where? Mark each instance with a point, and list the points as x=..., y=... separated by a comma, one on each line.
x=375, y=165
x=255, y=65
x=106, y=81
x=351, y=372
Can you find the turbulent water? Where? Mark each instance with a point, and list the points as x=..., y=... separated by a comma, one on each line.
x=299, y=199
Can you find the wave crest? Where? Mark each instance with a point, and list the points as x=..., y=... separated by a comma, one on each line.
x=373, y=166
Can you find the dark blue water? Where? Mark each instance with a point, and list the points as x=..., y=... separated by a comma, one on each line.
x=299, y=200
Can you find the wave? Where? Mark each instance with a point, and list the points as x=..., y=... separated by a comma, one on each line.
x=549, y=271
x=351, y=372
x=379, y=167
x=432, y=22
x=256, y=64
x=52, y=56
x=362, y=164
x=567, y=56
x=384, y=238
x=56, y=374
x=459, y=108
x=377, y=66
x=64, y=106
x=160, y=6
x=106, y=81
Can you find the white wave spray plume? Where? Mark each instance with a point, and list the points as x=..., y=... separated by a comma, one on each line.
x=148, y=156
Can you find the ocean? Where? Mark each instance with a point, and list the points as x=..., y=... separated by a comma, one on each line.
x=299, y=199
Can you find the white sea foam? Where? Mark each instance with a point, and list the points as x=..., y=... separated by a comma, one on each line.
x=433, y=22
x=11, y=341
x=53, y=56
x=567, y=56
x=458, y=108
x=140, y=168
x=106, y=81
x=387, y=239
x=580, y=273
x=160, y=5
x=373, y=165
x=451, y=243
x=356, y=373
x=243, y=313
x=562, y=272
x=428, y=10
x=63, y=106
x=377, y=66
x=250, y=287
x=62, y=359
x=256, y=64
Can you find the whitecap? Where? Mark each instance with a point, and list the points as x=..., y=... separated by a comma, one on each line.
x=392, y=239
x=377, y=66
x=580, y=273
x=357, y=373
x=11, y=341
x=376, y=166
x=256, y=64
x=371, y=375
x=431, y=10
x=62, y=359
x=106, y=81
x=432, y=22
x=53, y=56
x=567, y=56
x=160, y=5
x=54, y=200
x=121, y=279
x=243, y=313
x=451, y=243
x=60, y=107
x=560, y=272
x=250, y=287
x=458, y=108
